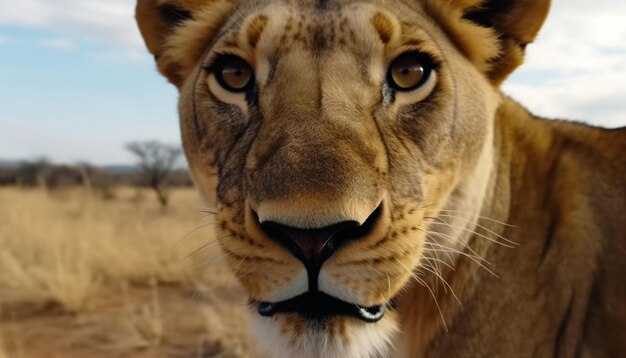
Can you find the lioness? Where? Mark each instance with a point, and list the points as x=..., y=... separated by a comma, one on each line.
x=379, y=196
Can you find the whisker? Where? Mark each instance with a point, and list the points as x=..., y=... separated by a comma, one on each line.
x=213, y=260
x=203, y=226
x=437, y=274
x=476, y=259
x=206, y=210
x=482, y=227
x=444, y=248
x=441, y=222
x=447, y=253
x=446, y=284
x=209, y=244
x=236, y=269
x=480, y=217
x=452, y=240
x=437, y=260
x=423, y=283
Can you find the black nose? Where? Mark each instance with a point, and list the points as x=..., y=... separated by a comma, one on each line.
x=314, y=246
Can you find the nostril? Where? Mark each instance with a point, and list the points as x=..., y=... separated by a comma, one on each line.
x=314, y=246
x=357, y=232
x=311, y=246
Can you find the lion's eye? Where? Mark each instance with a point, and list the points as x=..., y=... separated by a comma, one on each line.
x=233, y=73
x=409, y=71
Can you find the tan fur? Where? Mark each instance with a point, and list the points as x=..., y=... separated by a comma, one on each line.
x=500, y=234
x=255, y=30
x=385, y=27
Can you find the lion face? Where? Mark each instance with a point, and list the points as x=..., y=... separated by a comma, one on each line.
x=338, y=130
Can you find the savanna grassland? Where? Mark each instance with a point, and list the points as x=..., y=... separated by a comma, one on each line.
x=90, y=275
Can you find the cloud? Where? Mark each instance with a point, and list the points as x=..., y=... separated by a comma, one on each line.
x=109, y=22
x=60, y=44
x=124, y=55
x=596, y=98
x=577, y=67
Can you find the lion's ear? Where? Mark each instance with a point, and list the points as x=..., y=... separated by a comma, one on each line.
x=176, y=32
x=492, y=33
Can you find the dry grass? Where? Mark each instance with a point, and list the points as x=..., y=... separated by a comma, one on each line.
x=122, y=274
x=63, y=246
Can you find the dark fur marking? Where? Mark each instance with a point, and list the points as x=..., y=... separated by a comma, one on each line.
x=319, y=41
x=321, y=5
x=485, y=14
x=320, y=93
x=548, y=199
x=194, y=108
x=563, y=329
x=273, y=60
x=551, y=234
x=174, y=15
x=257, y=121
x=372, y=116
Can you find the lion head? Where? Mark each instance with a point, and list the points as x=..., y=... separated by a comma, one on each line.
x=338, y=131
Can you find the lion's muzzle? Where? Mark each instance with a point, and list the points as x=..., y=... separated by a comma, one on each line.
x=313, y=247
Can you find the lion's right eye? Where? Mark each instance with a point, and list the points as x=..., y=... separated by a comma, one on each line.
x=409, y=71
x=233, y=73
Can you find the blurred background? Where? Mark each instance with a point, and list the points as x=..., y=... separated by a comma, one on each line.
x=105, y=248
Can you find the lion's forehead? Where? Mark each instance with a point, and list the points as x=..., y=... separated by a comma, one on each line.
x=301, y=22
x=300, y=25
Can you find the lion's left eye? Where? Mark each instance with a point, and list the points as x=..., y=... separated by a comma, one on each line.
x=233, y=73
x=409, y=71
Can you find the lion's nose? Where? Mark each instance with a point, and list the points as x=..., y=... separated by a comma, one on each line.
x=314, y=246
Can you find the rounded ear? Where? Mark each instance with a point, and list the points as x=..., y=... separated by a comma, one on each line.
x=157, y=20
x=176, y=32
x=492, y=33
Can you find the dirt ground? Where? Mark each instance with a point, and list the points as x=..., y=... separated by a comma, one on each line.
x=137, y=322
x=91, y=277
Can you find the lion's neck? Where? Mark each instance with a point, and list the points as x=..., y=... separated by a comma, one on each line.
x=530, y=260
x=478, y=224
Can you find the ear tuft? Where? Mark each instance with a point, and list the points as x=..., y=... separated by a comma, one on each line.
x=156, y=20
x=513, y=25
x=177, y=32
x=173, y=15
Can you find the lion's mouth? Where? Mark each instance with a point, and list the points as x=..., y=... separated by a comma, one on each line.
x=318, y=305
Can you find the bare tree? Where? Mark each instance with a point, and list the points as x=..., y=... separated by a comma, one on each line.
x=157, y=161
x=36, y=172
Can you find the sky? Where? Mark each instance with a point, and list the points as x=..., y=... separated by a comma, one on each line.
x=76, y=83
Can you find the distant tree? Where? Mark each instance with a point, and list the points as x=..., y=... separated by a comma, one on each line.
x=34, y=172
x=157, y=161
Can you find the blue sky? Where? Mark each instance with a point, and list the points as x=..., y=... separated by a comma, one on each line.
x=76, y=82
x=65, y=102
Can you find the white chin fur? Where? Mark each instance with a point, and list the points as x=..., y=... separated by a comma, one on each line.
x=362, y=340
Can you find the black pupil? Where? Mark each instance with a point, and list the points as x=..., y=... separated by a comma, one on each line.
x=408, y=72
x=235, y=74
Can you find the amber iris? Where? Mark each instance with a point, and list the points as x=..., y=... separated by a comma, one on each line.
x=235, y=74
x=408, y=72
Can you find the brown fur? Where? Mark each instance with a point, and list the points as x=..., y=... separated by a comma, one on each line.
x=500, y=235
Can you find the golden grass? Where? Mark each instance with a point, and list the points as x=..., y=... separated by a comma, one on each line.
x=76, y=252
x=63, y=246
